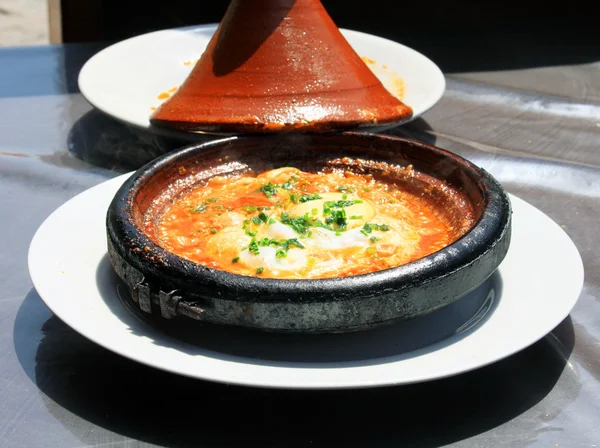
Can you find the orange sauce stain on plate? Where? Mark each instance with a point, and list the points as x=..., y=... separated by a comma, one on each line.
x=394, y=83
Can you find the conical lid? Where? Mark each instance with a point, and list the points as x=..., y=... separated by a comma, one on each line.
x=279, y=66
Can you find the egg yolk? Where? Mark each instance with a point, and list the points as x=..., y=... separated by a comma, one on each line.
x=288, y=224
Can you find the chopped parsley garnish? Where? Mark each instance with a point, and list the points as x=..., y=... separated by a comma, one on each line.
x=199, y=209
x=213, y=230
x=374, y=239
x=253, y=247
x=337, y=217
x=310, y=197
x=300, y=224
x=235, y=260
x=314, y=211
x=323, y=226
x=290, y=183
x=261, y=218
x=260, y=270
x=269, y=189
x=345, y=188
x=210, y=200
x=342, y=203
x=291, y=242
x=293, y=198
x=356, y=217
x=281, y=253
x=254, y=208
x=368, y=228
x=247, y=230
x=284, y=245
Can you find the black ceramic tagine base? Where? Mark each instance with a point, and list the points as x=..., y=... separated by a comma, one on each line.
x=407, y=336
x=164, y=284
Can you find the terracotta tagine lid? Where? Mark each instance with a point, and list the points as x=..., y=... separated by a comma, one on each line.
x=279, y=66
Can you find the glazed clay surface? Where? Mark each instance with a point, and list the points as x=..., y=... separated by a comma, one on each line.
x=279, y=65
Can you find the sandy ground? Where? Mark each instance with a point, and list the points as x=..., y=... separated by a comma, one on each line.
x=23, y=22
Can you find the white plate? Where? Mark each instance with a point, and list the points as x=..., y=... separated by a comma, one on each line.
x=535, y=288
x=125, y=79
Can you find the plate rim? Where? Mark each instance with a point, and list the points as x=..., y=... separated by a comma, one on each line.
x=437, y=89
x=112, y=185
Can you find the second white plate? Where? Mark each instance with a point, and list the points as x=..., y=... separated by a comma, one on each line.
x=534, y=289
x=126, y=79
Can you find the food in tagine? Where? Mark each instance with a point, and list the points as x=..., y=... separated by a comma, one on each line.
x=279, y=66
x=289, y=224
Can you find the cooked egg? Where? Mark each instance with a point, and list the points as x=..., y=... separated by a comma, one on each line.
x=285, y=223
x=360, y=212
x=294, y=260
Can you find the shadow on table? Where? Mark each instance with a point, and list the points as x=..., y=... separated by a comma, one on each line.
x=104, y=142
x=133, y=400
x=107, y=143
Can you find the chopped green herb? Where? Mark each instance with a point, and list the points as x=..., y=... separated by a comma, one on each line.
x=199, y=209
x=323, y=226
x=310, y=197
x=339, y=218
x=345, y=188
x=300, y=224
x=260, y=270
x=344, y=197
x=356, y=217
x=209, y=200
x=292, y=242
x=293, y=198
x=267, y=242
x=314, y=211
x=235, y=260
x=247, y=230
x=257, y=220
x=290, y=183
x=281, y=253
x=253, y=247
x=269, y=189
x=342, y=203
x=253, y=208
x=213, y=230
x=368, y=228
x=374, y=239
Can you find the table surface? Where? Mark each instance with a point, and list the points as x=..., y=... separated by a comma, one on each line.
x=536, y=129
